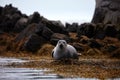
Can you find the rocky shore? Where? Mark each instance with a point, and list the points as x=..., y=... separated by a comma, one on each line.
x=23, y=35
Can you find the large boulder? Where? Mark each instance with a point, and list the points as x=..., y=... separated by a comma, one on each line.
x=87, y=29
x=35, y=18
x=44, y=31
x=55, y=26
x=107, y=11
x=71, y=27
x=39, y=29
x=30, y=29
x=33, y=37
x=100, y=33
x=94, y=44
x=110, y=30
x=33, y=43
x=9, y=9
x=9, y=16
x=20, y=24
x=8, y=22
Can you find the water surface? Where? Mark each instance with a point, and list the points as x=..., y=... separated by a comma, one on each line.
x=13, y=73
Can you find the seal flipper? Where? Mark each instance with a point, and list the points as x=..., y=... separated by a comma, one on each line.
x=75, y=56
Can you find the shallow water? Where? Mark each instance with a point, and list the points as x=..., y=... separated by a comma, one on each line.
x=24, y=74
x=12, y=73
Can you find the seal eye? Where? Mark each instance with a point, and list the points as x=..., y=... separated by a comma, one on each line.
x=63, y=42
x=59, y=42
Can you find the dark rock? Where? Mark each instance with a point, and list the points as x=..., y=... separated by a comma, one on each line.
x=57, y=36
x=110, y=30
x=107, y=11
x=7, y=26
x=43, y=31
x=9, y=16
x=106, y=3
x=9, y=9
x=114, y=6
x=111, y=48
x=1, y=8
x=1, y=32
x=87, y=29
x=39, y=29
x=33, y=36
x=80, y=30
x=118, y=34
x=99, y=15
x=24, y=16
x=100, y=33
x=71, y=28
x=35, y=18
x=94, y=44
x=116, y=53
x=78, y=47
x=30, y=29
x=84, y=39
x=34, y=43
x=55, y=26
x=20, y=25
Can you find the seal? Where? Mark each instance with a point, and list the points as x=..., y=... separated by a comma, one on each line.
x=64, y=51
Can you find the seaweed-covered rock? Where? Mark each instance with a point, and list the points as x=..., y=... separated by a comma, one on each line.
x=111, y=48
x=94, y=44
x=116, y=53
x=78, y=47
x=57, y=36
x=34, y=42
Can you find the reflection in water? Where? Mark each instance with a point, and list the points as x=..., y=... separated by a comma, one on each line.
x=11, y=73
x=25, y=73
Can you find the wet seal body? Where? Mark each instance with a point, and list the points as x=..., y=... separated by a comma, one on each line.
x=64, y=51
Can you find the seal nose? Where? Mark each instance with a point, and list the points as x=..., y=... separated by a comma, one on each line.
x=61, y=46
